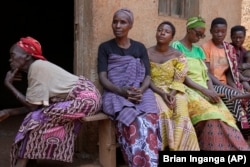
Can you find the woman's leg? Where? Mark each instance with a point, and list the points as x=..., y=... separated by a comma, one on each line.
x=234, y=107
x=139, y=140
x=216, y=135
x=5, y=113
x=21, y=163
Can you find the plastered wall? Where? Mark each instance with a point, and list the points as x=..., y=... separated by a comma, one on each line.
x=98, y=28
x=93, y=25
x=245, y=21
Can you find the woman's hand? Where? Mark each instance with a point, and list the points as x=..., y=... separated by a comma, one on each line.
x=133, y=94
x=11, y=76
x=170, y=100
x=212, y=95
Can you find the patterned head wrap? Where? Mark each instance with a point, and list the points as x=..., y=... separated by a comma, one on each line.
x=32, y=47
x=194, y=22
x=127, y=12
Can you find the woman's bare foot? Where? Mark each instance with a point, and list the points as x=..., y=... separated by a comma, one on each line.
x=22, y=163
x=4, y=114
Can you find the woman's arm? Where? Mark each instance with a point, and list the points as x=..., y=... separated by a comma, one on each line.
x=132, y=94
x=215, y=81
x=244, y=66
x=167, y=98
x=157, y=90
x=210, y=84
x=246, y=85
x=20, y=97
x=210, y=93
x=145, y=84
x=243, y=78
x=105, y=82
x=190, y=83
x=230, y=80
x=247, y=96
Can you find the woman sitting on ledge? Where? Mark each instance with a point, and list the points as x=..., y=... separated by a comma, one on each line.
x=214, y=124
x=168, y=72
x=55, y=101
x=124, y=73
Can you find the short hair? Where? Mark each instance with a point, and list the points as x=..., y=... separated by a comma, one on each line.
x=128, y=13
x=170, y=24
x=238, y=28
x=218, y=20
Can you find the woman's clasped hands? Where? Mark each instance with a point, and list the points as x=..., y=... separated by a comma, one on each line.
x=133, y=94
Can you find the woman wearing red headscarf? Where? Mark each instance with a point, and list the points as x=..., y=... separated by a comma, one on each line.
x=56, y=100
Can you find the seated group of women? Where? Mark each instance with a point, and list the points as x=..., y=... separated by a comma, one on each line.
x=171, y=96
x=192, y=91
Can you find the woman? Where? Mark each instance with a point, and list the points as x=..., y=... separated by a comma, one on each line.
x=168, y=71
x=214, y=124
x=124, y=73
x=222, y=66
x=246, y=71
x=56, y=101
x=238, y=35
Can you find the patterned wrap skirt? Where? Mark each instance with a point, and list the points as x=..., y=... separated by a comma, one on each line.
x=50, y=132
x=216, y=135
x=215, y=125
x=140, y=140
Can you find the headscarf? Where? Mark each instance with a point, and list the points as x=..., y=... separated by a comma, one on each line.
x=32, y=47
x=127, y=12
x=194, y=22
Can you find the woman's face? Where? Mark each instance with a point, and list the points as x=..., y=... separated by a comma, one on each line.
x=219, y=32
x=164, y=34
x=238, y=38
x=17, y=57
x=121, y=25
x=195, y=34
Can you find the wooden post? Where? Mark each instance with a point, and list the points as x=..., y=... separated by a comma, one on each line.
x=107, y=143
x=107, y=139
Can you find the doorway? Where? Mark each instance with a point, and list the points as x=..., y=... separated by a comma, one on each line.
x=52, y=24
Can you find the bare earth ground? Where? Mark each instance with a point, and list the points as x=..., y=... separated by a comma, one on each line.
x=8, y=129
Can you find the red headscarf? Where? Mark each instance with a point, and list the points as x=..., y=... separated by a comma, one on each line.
x=31, y=46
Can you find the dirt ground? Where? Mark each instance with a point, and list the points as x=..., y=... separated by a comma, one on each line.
x=8, y=129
